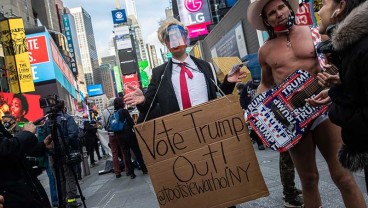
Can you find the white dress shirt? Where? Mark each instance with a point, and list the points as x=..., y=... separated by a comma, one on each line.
x=197, y=86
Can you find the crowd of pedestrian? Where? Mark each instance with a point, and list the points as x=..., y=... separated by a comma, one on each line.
x=185, y=81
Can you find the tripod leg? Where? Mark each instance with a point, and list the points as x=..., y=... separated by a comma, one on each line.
x=72, y=169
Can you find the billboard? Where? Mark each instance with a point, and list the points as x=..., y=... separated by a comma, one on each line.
x=119, y=16
x=131, y=80
x=17, y=65
x=143, y=66
x=117, y=76
x=47, y=62
x=94, y=90
x=24, y=107
x=69, y=36
x=231, y=44
x=122, y=37
x=128, y=64
x=38, y=49
x=195, y=14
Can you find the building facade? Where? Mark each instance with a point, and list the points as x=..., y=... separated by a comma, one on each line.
x=107, y=80
x=87, y=44
x=152, y=55
x=19, y=8
x=47, y=14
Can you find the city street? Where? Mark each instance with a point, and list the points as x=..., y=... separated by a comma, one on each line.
x=106, y=191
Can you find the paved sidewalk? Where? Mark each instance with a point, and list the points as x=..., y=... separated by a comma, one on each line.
x=105, y=191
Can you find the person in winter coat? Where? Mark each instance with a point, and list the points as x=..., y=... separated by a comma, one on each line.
x=18, y=185
x=346, y=22
x=128, y=140
x=91, y=140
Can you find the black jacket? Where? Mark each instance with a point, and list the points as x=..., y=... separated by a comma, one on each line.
x=247, y=94
x=18, y=185
x=124, y=116
x=166, y=94
x=350, y=98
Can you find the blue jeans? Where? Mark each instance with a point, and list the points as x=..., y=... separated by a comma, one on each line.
x=52, y=184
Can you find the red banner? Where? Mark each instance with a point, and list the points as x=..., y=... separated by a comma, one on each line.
x=130, y=79
x=303, y=15
x=24, y=107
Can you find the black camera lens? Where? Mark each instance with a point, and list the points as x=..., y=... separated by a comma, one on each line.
x=6, y=125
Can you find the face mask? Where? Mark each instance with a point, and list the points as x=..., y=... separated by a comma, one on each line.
x=176, y=36
x=289, y=24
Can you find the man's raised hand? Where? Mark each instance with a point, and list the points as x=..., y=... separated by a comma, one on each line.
x=135, y=97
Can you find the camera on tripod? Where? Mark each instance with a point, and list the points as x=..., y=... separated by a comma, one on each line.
x=50, y=101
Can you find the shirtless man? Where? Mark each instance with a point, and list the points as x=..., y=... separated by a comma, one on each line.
x=290, y=48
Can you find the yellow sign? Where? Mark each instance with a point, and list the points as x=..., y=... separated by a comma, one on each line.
x=13, y=39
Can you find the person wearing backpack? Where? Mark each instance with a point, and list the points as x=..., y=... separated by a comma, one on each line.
x=113, y=139
x=127, y=138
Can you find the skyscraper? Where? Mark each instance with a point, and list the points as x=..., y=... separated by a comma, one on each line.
x=20, y=9
x=107, y=80
x=152, y=55
x=87, y=43
x=130, y=7
x=47, y=13
x=135, y=28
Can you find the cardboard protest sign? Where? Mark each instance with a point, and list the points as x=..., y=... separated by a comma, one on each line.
x=202, y=156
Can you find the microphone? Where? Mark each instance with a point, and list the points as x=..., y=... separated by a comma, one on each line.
x=38, y=121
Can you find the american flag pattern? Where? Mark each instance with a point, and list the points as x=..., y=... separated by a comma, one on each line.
x=316, y=37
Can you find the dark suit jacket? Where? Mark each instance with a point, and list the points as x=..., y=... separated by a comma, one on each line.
x=166, y=95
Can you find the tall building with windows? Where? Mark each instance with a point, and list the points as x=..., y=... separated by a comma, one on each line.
x=107, y=80
x=152, y=55
x=130, y=7
x=87, y=44
x=19, y=8
x=47, y=13
x=136, y=31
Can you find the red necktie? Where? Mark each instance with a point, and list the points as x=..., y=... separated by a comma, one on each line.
x=184, y=87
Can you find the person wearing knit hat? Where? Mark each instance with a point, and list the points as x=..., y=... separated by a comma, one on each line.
x=291, y=47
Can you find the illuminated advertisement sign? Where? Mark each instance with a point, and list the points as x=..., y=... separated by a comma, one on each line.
x=69, y=36
x=38, y=49
x=47, y=62
x=117, y=76
x=17, y=65
x=94, y=90
x=195, y=14
x=23, y=107
x=122, y=37
x=130, y=80
x=119, y=16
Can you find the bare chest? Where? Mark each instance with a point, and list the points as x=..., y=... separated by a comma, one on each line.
x=284, y=53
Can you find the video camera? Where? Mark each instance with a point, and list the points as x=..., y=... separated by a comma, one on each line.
x=50, y=101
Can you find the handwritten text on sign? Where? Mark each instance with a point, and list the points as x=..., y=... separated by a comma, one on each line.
x=201, y=157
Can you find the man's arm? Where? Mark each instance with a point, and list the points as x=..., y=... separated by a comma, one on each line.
x=267, y=80
x=21, y=143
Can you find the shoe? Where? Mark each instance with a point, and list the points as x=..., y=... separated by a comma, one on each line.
x=93, y=165
x=118, y=176
x=99, y=158
x=261, y=147
x=296, y=202
x=132, y=176
x=145, y=172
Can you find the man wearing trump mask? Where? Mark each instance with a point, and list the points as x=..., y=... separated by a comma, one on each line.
x=182, y=82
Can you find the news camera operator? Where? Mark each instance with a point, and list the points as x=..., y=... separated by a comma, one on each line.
x=18, y=185
x=68, y=132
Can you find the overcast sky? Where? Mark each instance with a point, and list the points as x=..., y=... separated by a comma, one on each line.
x=149, y=14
